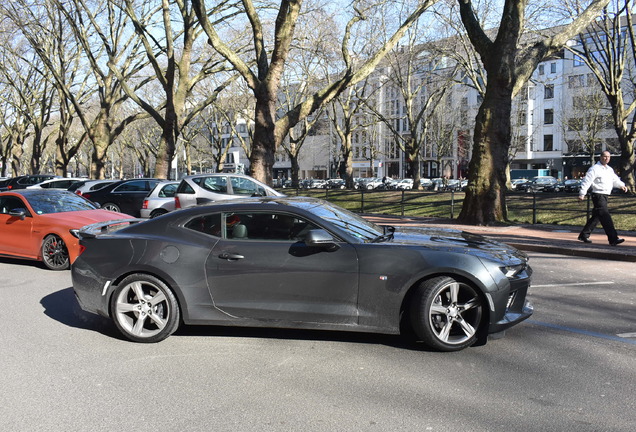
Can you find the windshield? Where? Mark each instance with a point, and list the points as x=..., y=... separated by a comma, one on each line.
x=52, y=202
x=352, y=223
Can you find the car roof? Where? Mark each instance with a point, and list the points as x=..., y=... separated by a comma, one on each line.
x=27, y=193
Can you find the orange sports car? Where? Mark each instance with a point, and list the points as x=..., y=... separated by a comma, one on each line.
x=42, y=225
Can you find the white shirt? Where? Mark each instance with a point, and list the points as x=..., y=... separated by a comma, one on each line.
x=602, y=179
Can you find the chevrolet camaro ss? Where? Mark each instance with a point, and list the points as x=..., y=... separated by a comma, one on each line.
x=297, y=262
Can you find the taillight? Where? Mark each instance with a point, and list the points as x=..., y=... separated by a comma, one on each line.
x=78, y=192
x=145, y=205
x=87, y=196
x=177, y=204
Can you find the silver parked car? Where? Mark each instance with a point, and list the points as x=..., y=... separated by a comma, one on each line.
x=207, y=188
x=160, y=200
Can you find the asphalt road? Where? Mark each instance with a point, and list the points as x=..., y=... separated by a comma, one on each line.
x=571, y=368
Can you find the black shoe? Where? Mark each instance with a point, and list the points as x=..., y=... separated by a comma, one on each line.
x=584, y=239
x=617, y=242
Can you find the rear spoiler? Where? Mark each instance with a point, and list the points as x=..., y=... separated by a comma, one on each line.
x=93, y=230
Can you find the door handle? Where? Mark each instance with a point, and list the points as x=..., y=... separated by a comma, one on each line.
x=230, y=257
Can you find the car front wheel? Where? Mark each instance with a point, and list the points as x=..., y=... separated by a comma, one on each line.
x=446, y=314
x=54, y=253
x=144, y=309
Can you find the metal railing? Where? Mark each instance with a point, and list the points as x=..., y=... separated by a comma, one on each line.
x=533, y=208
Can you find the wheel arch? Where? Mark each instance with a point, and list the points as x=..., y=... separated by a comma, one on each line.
x=404, y=311
x=164, y=278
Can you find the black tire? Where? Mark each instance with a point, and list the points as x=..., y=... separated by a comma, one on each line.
x=149, y=319
x=157, y=212
x=55, y=253
x=446, y=314
x=111, y=207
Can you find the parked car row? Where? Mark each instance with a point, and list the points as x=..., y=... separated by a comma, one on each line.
x=545, y=184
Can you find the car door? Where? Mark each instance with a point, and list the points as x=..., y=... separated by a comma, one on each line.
x=16, y=237
x=129, y=196
x=259, y=273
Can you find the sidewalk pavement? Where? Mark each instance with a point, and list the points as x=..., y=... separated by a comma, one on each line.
x=553, y=239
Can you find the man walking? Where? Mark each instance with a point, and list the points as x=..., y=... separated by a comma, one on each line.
x=602, y=179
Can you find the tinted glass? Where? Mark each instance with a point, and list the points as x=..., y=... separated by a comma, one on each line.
x=208, y=224
x=133, y=186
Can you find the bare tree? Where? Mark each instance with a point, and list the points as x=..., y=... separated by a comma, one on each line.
x=608, y=48
x=508, y=67
x=270, y=63
x=177, y=67
x=587, y=117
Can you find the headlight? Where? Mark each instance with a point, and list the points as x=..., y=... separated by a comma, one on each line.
x=512, y=271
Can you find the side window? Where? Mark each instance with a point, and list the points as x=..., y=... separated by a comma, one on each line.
x=168, y=191
x=275, y=226
x=207, y=224
x=241, y=186
x=9, y=203
x=215, y=184
x=132, y=186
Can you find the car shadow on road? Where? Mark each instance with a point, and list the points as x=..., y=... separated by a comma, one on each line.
x=395, y=341
x=62, y=306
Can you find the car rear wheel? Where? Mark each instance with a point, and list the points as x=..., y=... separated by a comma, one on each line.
x=54, y=253
x=446, y=314
x=111, y=207
x=144, y=309
x=158, y=212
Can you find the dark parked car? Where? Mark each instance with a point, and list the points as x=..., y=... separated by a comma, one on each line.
x=542, y=184
x=21, y=182
x=572, y=185
x=298, y=262
x=125, y=196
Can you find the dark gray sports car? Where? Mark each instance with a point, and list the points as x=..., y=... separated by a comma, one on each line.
x=299, y=263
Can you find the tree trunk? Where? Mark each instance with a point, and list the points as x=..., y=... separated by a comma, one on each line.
x=484, y=202
x=264, y=144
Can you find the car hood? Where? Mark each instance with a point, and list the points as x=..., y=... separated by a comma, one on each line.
x=78, y=219
x=452, y=240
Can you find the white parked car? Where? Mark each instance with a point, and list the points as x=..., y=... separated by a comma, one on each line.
x=160, y=200
x=404, y=184
x=89, y=185
x=57, y=183
x=205, y=188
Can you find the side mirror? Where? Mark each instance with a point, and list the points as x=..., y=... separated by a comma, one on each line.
x=321, y=239
x=19, y=213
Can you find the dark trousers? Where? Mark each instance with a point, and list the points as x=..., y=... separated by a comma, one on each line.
x=601, y=214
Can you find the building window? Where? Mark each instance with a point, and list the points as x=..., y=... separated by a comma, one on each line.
x=548, y=143
x=548, y=116
x=553, y=67
x=575, y=124
x=541, y=69
x=578, y=60
x=576, y=81
x=549, y=91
